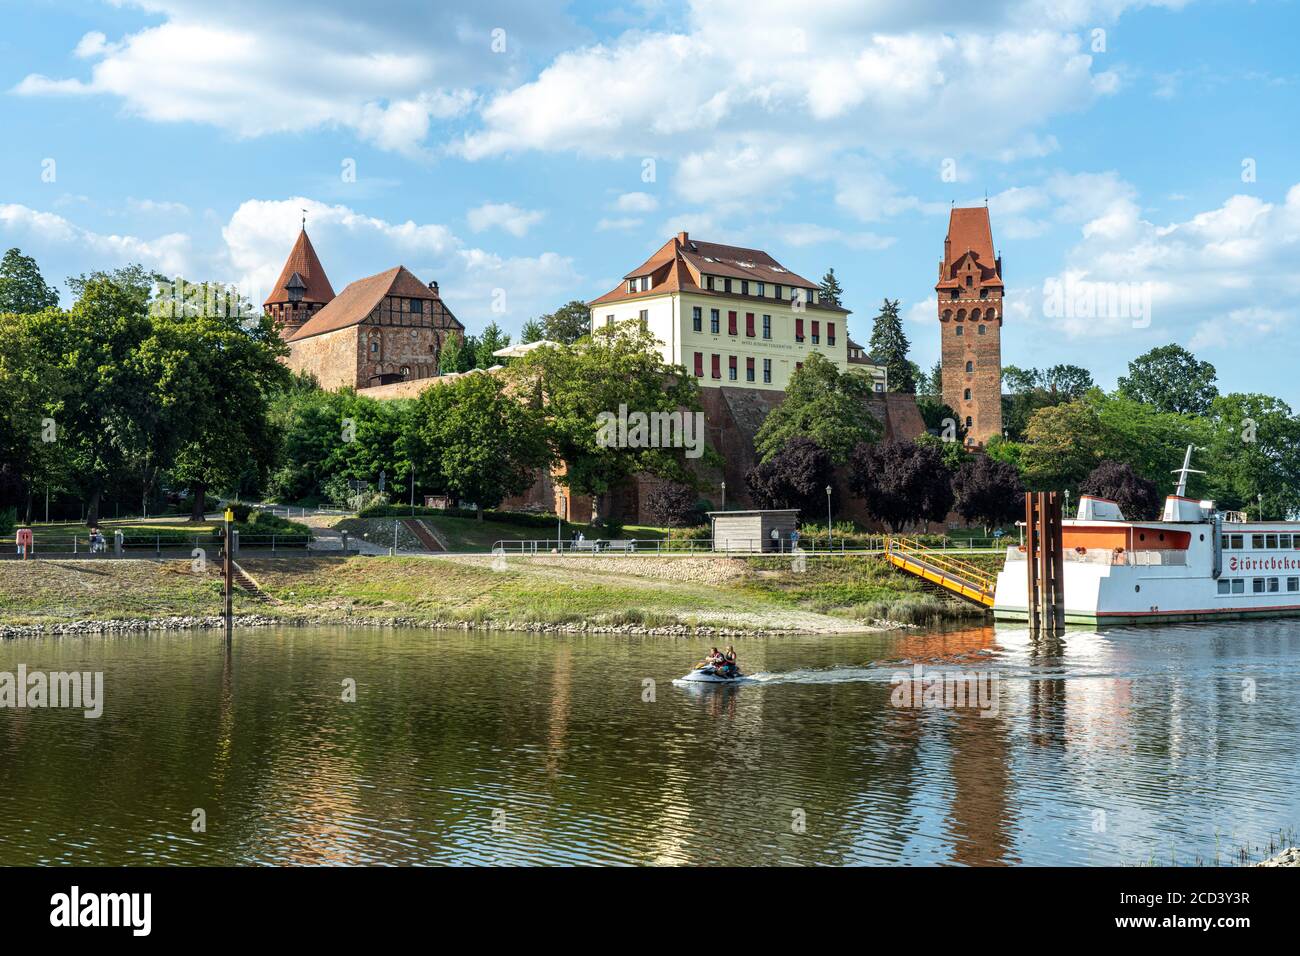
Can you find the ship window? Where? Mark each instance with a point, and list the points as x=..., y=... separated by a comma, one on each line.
x=1225, y=586
x=1272, y=585
x=1257, y=585
x=1293, y=584
x=1257, y=541
x=1238, y=542
x=1284, y=541
x=1224, y=542
x=1142, y=536
x=1238, y=585
x=1272, y=542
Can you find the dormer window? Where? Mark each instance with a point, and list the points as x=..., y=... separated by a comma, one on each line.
x=631, y=285
x=984, y=293
x=970, y=280
x=296, y=288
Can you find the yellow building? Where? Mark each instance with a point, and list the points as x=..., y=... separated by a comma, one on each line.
x=731, y=316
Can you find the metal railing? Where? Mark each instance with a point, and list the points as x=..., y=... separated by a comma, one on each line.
x=624, y=546
x=1167, y=557
x=137, y=545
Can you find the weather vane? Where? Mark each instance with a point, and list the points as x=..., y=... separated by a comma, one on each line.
x=304, y=219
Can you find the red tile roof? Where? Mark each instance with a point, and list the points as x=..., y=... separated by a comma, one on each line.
x=303, y=261
x=969, y=231
x=680, y=264
x=359, y=299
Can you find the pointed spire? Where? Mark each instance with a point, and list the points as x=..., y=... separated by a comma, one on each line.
x=303, y=262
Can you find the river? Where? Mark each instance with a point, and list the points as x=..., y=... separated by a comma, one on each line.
x=1129, y=746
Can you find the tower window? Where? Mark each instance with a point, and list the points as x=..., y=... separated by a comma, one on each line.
x=960, y=329
x=970, y=366
x=697, y=319
x=417, y=306
x=955, y=293
x=969, y=421
x=970, y=280
x=966, y=395
x=982, y=329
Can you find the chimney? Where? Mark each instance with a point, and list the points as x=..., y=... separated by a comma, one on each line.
x=683, y=238
x=433, y=287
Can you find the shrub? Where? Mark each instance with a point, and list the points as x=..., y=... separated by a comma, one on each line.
x=673, y=505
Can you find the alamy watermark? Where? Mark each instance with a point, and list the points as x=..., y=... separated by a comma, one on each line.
x=946, y=690
x=652, y=430
x=1072, y=298
x=40, y=690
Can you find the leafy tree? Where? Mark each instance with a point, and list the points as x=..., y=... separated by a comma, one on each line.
x=492, y=340
x=953, y=450
x=673, y=504
x=569, y=323
x=1138, y=498
x=483, y=443
x=1004, y=449
x=901, y=482
x=988, y=491
x=1027, y=390
x=940, y=419
x=1253, y=449
x=1068, y=382
x=1063, y=444
x=23, y=290
x=458, y=354
x=889, y=344
x=825, y=405
x=795, y=477
x=931, y=383
x=133, y=277
x=534, y=330
x=831, y=291
x=1170, y=379
x=619, y=367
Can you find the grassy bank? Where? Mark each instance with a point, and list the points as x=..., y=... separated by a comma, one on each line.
x=646, y=593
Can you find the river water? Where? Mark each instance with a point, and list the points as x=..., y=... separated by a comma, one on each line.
x=1129, y=746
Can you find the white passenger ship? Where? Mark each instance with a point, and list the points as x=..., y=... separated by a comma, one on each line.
x=1195, y=563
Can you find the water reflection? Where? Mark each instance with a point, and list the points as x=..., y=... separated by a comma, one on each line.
x=1112, y=747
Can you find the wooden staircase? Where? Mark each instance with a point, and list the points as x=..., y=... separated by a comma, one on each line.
x=425, y=534
x=955, y=576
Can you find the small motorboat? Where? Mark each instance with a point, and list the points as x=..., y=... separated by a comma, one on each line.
x=713, y=674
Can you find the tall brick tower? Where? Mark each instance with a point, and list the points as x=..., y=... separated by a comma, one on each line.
x=970, y=323
x=302, y=290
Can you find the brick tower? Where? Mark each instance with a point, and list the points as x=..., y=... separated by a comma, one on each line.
x=970, y=324
x=302, y=290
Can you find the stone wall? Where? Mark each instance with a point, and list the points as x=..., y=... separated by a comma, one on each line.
x=331, y=357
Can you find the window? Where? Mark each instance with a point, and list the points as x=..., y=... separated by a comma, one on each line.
x=1238, y=585
x=798, y=365
x=1225, y=586
x=830, y=333
x=744, y=287
x=982, y=328
x=1257, y=541
x=1272, y=585
x=731, y=368
x=970, y=366
x=767, y=371
x=984, y=293
x=726, y=285
x=697, y=319
x=798, y=330
x=1270, y=542
x=969, y=421
x=631, y=285
x=816, y=332
x=1238, y=542
x=778, y=290
x=1284, y=541
x=1257, y=585
x=966, y=395
x=749, y=370
x=645, y=319
x=609, y=321
x=731, y=323
x=713, y=321
x=417, y=306
x=749, y=324
x=708, y=283
x=960, y=329
x=1293, y=584
x=762, y=289
x=970, y=280
x=699, y=365
x=406, y=370
x=374, y=346
x=767, y=326
x=955, y=293
x=717, y=366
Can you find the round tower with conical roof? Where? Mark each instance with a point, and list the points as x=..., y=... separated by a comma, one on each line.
x=302, y=289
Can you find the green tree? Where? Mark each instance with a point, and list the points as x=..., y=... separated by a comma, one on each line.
x=1253, y=449
x=831, y=291
x=1063, y=444
x=823, y=404
x=1170, y=379
x=889, y=345
x=22, y=287
x=569, y=323
x=492, y=340
x=483, y=443
x=534, y=330
x=458, y=354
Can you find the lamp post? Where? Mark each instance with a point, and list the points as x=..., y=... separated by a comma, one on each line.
x=724, y=496
x=830, y=535
x=560, y=513
x=229, y=576
x=1260, y=498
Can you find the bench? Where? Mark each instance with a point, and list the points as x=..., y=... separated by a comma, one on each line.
x=620, y=546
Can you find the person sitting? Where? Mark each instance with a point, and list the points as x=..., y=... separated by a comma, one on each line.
x=713, y=658
x=729, y=660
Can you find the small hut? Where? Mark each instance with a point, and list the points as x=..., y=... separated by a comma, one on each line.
x=752, y=530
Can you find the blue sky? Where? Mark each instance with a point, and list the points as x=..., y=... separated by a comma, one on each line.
x=523, y=154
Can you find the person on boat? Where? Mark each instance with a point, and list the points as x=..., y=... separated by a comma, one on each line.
x=729, y=660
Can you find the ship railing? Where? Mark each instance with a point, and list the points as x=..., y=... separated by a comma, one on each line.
x=1145, y=558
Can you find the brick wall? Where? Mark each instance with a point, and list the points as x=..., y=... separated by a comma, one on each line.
x=331, y=357
x=972, y=359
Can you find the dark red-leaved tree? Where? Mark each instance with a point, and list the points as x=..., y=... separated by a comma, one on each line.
x=673, y=504
x=1138, y=498
x=988, y=491
x=901, y=482
x=795, y=477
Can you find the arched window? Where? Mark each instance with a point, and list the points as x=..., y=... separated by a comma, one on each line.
x=969, y=421
x=970, y=366
x=961, y=315
x=947, y=315
x=966, y=395
x=960, y=329
x=982, y=329
x=975, y=315
x=990, y=315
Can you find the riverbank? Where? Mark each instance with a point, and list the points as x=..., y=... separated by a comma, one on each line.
x=705, y=595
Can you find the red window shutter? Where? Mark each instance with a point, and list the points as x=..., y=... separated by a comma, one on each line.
x=749, y=324
x=830, y=333
x=717, y=366
x=699, y=365
x=798, y=330
x=817, y=328
x=731, y=361
x=731, y=323
x=798, y=365
x=749, y=367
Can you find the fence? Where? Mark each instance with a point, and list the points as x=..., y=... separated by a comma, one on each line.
x=665, y=546
x=145, y=545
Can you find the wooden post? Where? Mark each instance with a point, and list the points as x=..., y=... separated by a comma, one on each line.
x=1044, y=554
x=1033, y=598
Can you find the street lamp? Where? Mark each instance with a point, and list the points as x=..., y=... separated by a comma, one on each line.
x=1260, y=498
x=724, y=496
x=830, y=534
x=560, y=512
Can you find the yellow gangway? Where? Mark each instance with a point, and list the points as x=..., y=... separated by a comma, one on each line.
x=952, y=574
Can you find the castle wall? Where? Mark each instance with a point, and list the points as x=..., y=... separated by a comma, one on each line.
x=331, y=357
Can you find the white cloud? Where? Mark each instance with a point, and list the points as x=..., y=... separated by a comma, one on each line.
x=618, y=223
x=636, y=202
x=811, y=234
x=505, y=216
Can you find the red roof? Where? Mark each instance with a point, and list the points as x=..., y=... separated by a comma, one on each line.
x=969, y=232
x=680, y=264
x=303, y=261
x=360, y=298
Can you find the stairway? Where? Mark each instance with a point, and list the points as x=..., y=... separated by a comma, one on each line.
x=245, y=582
x=955, y=576
x=426, y=535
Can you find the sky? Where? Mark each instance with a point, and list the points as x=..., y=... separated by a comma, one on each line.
x=1140, y=158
